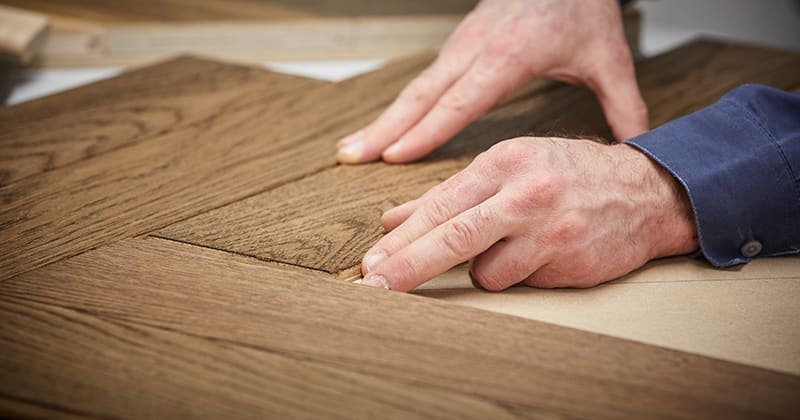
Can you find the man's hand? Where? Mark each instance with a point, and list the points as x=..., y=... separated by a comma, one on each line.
x=499, y=46
x=544, y=212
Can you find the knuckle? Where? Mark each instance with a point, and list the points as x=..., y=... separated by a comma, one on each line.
x=455, y=102
x=488, y=280
x=419, y=89
x=507, y=156
x=545, y=192
x=404, y=268
x=571, y=229
x=437, y=210
x=459, y=238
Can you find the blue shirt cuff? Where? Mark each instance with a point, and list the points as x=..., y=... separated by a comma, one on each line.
x=739, y=161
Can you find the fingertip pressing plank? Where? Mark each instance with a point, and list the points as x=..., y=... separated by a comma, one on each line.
x=54, y=131
x=106, y=331
x=255, y=142
x=21, y=34
x=327, y=221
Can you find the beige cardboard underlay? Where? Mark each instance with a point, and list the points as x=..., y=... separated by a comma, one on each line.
x=747, y=314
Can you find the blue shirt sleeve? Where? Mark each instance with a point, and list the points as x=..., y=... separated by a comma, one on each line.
x=739, y=161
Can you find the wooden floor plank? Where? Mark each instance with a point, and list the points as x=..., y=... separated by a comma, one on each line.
x=255, y=142
x=150, y=327
x=676, y=303
x=329, y=220
x=57, y=130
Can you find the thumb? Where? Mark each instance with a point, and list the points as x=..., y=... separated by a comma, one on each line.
x=616, y=89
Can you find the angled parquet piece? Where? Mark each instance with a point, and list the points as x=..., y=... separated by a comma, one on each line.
x=103, y=334
x=57, y=130
x=329, y=220
x=253, y=143
x=691, y=77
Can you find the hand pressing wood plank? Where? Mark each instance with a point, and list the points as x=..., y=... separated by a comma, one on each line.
x=154, y=328
x=138, y=105
x=256, y=141
x=329, y=220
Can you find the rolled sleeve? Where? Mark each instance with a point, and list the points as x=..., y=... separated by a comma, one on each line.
x=739, y=161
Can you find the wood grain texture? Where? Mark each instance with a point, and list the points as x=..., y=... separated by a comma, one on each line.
x=178, y=95
x=329, y=220
x=210, y=334
x=255, y=142
x=215, y=10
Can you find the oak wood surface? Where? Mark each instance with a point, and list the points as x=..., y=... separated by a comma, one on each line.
x=215, y=10
x=256, y=141
x=51, y=132
x=104, y=334
x=327, y=221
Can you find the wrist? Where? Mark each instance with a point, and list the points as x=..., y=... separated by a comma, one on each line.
x=667, y=226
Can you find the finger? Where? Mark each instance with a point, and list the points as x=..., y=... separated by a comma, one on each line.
x=461, y=192
x=506, y=263
x=418, y=97
x=449, y=244
x=395, y=216
x=480, y=88
x=616, y=88
x=392, y=218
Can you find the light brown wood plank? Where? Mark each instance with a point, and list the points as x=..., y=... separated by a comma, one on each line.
x=252, y=144
x=329, y=220
x=21, y=34
x=54, y=131
x=747, y=314
x=148, y=327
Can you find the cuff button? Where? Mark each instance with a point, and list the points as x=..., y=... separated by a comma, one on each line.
x=751, y=249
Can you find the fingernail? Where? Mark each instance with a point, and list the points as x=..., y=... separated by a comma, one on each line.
x=350, y=153
x=373, y=260
x=353, y=138
x=374, y=280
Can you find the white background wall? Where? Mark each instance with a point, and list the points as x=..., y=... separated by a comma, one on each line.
x=766, y=22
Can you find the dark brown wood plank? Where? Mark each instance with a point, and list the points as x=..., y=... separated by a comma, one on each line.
x=254, y=142
x=329, y=220
x=154, y=328
x=54, y=131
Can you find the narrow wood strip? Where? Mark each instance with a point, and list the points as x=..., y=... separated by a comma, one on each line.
x=133, y=326
x=21, y=34
x=329, y=220
x=253, y=143
x=58, y=130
